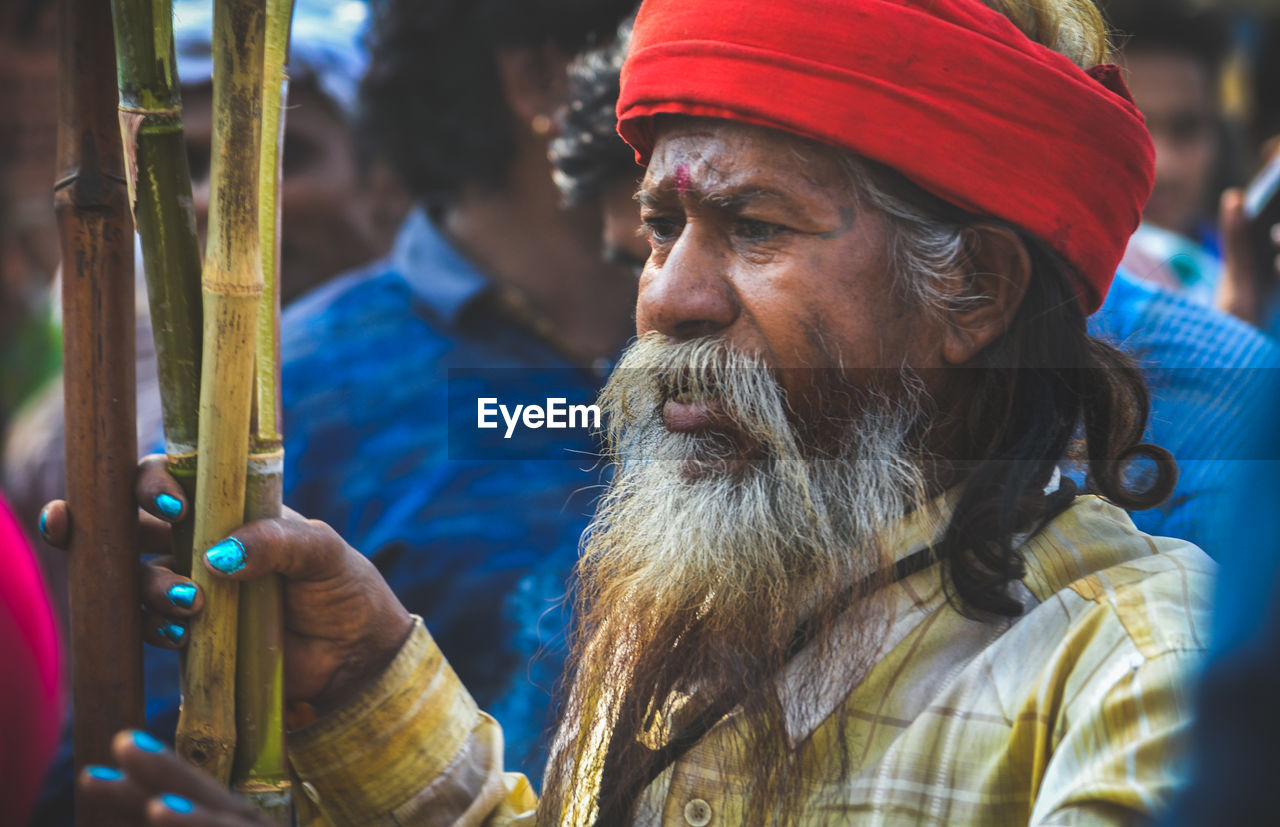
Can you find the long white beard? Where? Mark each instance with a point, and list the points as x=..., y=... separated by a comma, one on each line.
x=679, y=527
x=710, y=551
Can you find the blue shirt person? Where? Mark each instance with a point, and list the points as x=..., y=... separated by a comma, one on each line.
x=1234, y=761
x=477, y=532
x=1206, y=372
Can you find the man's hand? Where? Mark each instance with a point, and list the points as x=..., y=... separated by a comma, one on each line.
x=343, y=624
x=153, y=786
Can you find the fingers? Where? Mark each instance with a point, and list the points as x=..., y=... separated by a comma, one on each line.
x=168, y=602
x=108, y=790
x=176, y=793
x=55, y=524
x=158, y=494
x=157, y=491
x=168, y=594
x=163, y=632
x=175, y=811
x=55, y=527
x=298, y=549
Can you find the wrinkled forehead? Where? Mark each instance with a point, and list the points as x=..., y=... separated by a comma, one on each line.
x=694, y=151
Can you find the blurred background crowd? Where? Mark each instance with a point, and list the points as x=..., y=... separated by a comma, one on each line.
x=454, y=196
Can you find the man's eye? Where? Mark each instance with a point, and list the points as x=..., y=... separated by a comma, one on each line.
x=662, y=230
x=750, y=229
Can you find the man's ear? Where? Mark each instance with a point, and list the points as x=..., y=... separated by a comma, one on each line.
x=533, y=84
x=997, y=271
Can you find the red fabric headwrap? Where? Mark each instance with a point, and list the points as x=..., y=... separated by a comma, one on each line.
x=948, y=92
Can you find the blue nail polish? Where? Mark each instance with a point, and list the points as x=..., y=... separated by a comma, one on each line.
x=44, y=523
x=169, y=506
x=146, y=742
x=176, y=803
x=182, y=595
x=227, y=556
x=173, y=632
x=104, y=773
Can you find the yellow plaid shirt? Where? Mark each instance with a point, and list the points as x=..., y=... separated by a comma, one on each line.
x=1074, y=713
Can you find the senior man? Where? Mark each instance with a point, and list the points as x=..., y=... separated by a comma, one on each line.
x=837, y=575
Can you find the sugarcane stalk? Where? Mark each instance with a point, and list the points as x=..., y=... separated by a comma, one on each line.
x=160, y=198
x=91, y=203
x=261, y=772
x=232, y=286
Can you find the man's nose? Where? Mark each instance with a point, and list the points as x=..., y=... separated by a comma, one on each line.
x=687, y=294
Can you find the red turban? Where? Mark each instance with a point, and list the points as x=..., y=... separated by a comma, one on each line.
x=948, y=92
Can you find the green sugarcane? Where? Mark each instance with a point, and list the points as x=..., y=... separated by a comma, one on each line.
x=160, y=197
x=260, y=773
x=232, y=287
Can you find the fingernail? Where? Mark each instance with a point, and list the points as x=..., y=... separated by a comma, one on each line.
x=146, y=742
x=169, y=506
x=104, y=773
x=176, y=803
x=44, y=522
x=182, y=595
x=173, y=632
x=227, y=556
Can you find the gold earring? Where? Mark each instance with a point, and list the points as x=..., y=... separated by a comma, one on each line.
x=541, y=125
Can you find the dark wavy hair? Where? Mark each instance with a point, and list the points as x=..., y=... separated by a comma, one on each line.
x=1043, y=392
x=588, y=155
x=432, y=101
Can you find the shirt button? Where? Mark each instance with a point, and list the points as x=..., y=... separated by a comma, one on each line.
x=697, y=813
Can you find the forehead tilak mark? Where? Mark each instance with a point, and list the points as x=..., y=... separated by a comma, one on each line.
x=682, y=178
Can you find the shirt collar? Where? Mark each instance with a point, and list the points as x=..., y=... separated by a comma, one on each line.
x=439, y=275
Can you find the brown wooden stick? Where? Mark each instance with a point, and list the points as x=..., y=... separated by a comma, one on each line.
x=91, y=202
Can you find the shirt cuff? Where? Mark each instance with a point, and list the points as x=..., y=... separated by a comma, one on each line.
x=412, y=748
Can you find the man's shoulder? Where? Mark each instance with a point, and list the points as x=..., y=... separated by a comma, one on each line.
x=1092, y=562
x=1173, y=333
x=344, y=305
x=365, y=327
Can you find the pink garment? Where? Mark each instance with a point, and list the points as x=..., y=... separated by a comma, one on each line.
x=30, y=674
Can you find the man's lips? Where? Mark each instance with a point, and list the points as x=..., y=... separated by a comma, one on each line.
x=687, y=416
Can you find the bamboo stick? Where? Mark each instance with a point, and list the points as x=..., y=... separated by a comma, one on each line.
x=160, y=197
x=90, y=200
x=261, y=772
x=232, y=286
